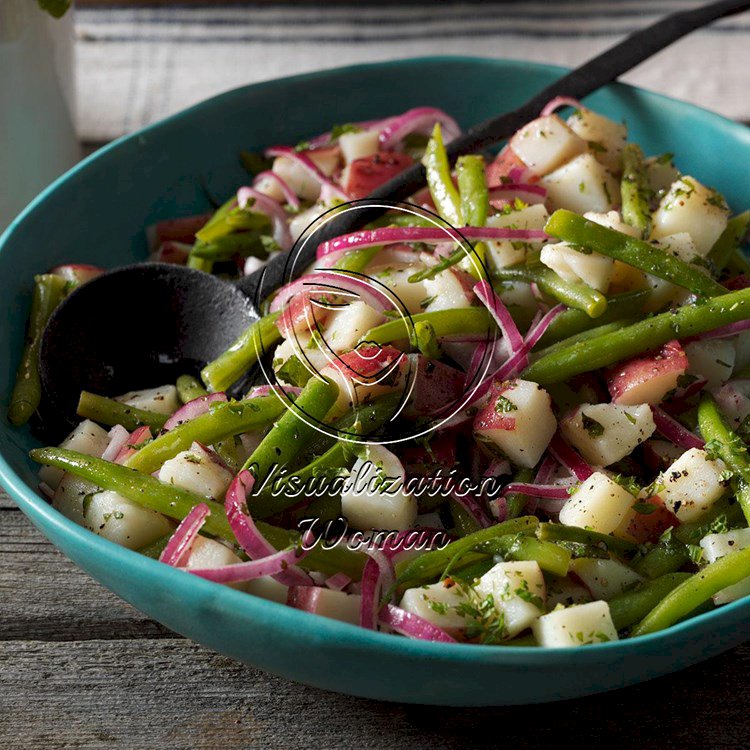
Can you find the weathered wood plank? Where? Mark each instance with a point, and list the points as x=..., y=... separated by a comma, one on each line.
x=45, y=596
x=173, y=694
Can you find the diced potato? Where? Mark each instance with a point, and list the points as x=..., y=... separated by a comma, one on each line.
x=270, y=187
x=599, y=504
x=437, y=603
x=579, y=625
x=70, y=495
x=303, y=347
x=680, y=245
x=448, y=290
x=337, y=605
x=689, y=206
x=518, y=421
x=517, y=590
x=604, y=578
x=124, y=522
x=346, y=326
x=374, y=496
x=692, y=484
x=612, y=220
x=395, y=276
x=298, y=179
x=605, y=137
x=87, y=438
x=605, y=433
x=712, y=359
x=504, y=253
x=359, y=145
x=733, y=399
x=301, y=221
x=581, y=185
x=565, y=591
x=716, y=546
x=576, y=265
x=546, y=143
x=267, y=588
x=518, y=294
x=196, y=471
x=162, y=400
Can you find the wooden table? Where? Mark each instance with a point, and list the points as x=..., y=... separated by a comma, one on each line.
x=79, y=668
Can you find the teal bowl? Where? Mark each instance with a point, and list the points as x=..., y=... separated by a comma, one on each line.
x=95, y=214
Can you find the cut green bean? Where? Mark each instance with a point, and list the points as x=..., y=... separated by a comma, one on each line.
x=729, y=241
x=472, y=189
x=49, y=290
x=516, y=502
x=463, y=522
x=458, y=321
x=176, y=503
x=439, y=179
x=695, y=591
x=251, y=345
x=729, y=447
x=555, y=532
x=549, y=556
x=593, y=333
x=723, y=515
x=572, y=322
x=647, y=334
x=427, y=341
x=200, y=264
x=296, y=429
x=221, y=421
x=428, y=566
x=570, y=227
x=357, y=260
x=631, y=607
x=189, y=388
x=110, y=412
x=635, y=191
x=668, y=556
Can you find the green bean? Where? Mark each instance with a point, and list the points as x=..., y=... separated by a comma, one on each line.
x=189, y=388
x=225, y=248
x=729, y=447
x=217, y=226
x=668, y=556
x=577, y=230
x=463, y=522
x=357, y=260
x=428, y=566
x=723, y=513
x=635, y=191
x=249, y=347
x=439, y=179
x=200, y=264
x=572, y=322
x=458, y=321
x=176, y=503
x=631, y=607
x=49, y=290
x=516, y=502
x=427, y=339
x=729, y=240
x=695, y=591
x=296, y=428
x=555, y=532
x=221, y=421
x=549, y=556
x=592, y=333
x=472, y=189
x=110, y=412
x=647, y=334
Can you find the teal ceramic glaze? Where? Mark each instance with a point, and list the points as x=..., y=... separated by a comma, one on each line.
x=95, y=214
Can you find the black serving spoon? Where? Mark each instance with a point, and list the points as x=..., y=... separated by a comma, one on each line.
x=191, y=317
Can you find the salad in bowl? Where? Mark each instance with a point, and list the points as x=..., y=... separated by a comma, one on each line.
x=512, y=410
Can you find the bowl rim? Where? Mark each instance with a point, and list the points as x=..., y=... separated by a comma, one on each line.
x=344, y=634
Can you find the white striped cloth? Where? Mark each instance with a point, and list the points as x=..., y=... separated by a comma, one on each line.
x=137, y=65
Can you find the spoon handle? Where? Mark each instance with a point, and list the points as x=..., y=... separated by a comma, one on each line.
x=592, y=75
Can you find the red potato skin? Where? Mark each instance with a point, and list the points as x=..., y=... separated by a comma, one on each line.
x=367, y=361
x=365, y=175
x=300, y=315
x=506, y=162
x=417, y=460
x=649, y=527
x=79, y=273
x=180, y=230
x=489, y=418
x=138, y=436
x=670, y=358
x=437, y=386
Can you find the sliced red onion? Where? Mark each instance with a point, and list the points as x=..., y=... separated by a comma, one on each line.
x=304, y=161
x=550, y=504
x=118, y=438
x=378, y=576
x=273, y=565
x=509, y=191
x=412, y=626
x=426, y=235
x=267, y=390
x=138, y=436
x=546, y=470
x=247, y=533
x=553, y=491
x=289, y=195
x=569, y=458
x=498, y=468
x=674, y=432
x=487, y=296
x=338, y=581
x=334, y=282
x=417, y=120
x=560, y=101
x=721, y=333
x=477, y=358
x=270, y=208
x=193, y=409
x=181, y=542
x=472, y=506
